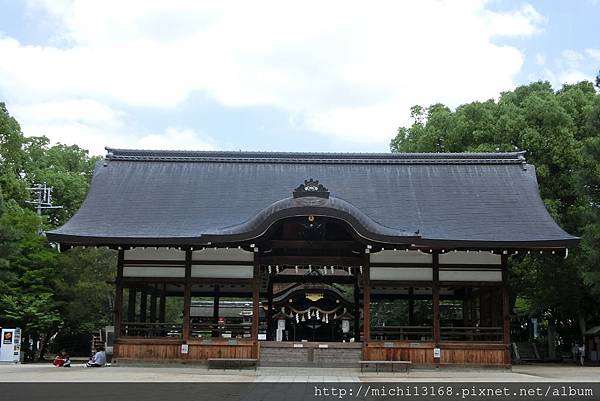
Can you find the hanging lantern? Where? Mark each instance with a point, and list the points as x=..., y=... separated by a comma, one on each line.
x=346, y=318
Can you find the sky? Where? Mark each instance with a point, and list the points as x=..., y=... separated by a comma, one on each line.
x=323, y=76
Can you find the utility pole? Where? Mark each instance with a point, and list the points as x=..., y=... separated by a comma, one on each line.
x=42, y=199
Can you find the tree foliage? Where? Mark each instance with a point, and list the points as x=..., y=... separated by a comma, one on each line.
x=560, y=131
x=42, y=291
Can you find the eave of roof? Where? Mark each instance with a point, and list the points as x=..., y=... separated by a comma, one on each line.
x=315, y=158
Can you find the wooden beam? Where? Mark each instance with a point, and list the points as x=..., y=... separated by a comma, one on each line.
x=181, y=263
x=270, y=309
x=366, y=299
x=320, y=245
x=216, y=309
x=131, y=304
x=182, y=280
x=314, y=260
x=187, y=296
x=143, y=305
x=505, y=309
x=356, y=309
x=329, y=279
x=118, y=316
x=162, y=312
x=421, y=284
x=153, y=307
x=411, y=306
x=407, y=297
x=436, y=298
x=256, y=296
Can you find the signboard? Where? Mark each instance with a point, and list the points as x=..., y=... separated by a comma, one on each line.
x=10, y=345
x=17, y=345
x=437, y=353
x=185, y=348
x=7, y=337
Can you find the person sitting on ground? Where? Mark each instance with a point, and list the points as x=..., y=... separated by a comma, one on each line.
x=58, y=361
x=98, y=360
x=66, y=358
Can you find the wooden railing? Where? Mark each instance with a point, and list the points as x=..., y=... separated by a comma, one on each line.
x=494, y=334
x=414, y=333
x=232, y=330
x=139, y=329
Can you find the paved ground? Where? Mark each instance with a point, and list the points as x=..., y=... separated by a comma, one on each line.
x=179, y=373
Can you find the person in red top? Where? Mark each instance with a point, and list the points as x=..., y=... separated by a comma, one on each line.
x=59, y=361
x=62, y=360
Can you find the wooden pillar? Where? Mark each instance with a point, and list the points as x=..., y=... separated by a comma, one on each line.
x=356, y=306
x=256, y=295
x=216, y=297
x=466, y=308
x=366, y=298
x=162, y=311
x=131, y=304
x=436, y=298
x=153, y=306
x=187, y=296
x=118, y=317
x=411, y=306
x=270, y=309
x=505, y=309
x=143, y=304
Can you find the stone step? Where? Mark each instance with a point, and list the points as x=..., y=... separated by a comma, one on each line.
x=303, y=357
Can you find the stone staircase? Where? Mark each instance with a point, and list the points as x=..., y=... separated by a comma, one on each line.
x=525, y=352
x=330, y=355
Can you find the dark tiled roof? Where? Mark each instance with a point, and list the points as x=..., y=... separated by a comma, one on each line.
x=182, y=198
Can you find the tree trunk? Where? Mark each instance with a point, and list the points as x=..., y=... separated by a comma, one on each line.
x=582, y=327
x=44, y=339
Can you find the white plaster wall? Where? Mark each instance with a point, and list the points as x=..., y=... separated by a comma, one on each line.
x=222, y=254
x=470, y=258
x=225, y=271
x=154, y=254
x=400, y=257
x=402, y=273
x=471, y=275
x=152, y=271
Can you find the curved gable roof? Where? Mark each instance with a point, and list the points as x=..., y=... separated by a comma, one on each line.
x=183, y=198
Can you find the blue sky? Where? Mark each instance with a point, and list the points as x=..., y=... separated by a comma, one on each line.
x=273, y=75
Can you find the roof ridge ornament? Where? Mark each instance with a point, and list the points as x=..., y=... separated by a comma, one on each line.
x=311, y=188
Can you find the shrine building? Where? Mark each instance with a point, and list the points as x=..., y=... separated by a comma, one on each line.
x=313, y=259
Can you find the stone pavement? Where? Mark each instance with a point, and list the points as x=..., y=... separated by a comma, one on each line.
x=182, y=373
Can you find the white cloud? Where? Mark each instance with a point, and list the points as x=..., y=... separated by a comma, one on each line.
x=171, y=139
x=573, y=66
x=351, y=69
x=593, y=53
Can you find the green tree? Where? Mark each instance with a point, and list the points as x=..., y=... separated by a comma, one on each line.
x=560, y=130
x=42, y=291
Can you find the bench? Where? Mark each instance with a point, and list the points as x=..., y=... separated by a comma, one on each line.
x=226, y=363
x=405, y=365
